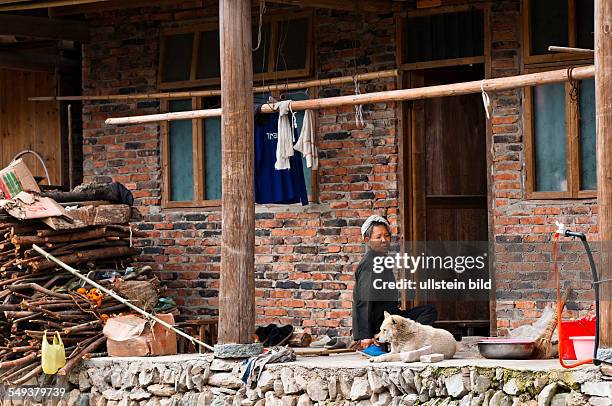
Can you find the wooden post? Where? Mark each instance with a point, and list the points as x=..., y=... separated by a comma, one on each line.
x=603, y=101
x=237, y=286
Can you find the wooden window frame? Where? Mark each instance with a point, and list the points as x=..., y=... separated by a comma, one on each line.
x=273, y=18
x=198, y=151
x=440, y=63
x=572, y=33
x=572, y=138
x=199, y=155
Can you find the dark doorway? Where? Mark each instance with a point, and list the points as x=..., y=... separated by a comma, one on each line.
x=448, y=179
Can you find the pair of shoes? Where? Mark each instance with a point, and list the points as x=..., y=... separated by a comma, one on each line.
x=321, y=342
x=336, y=343
x=272, y=335
x=373, y=351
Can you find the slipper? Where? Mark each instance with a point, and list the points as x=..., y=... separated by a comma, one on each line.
x=320, y=343
x=336, y=343
x=373, y=351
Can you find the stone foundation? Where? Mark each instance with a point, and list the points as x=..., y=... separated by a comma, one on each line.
x=336, y=380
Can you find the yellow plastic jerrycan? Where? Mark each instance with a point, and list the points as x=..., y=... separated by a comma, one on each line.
x=53, y=355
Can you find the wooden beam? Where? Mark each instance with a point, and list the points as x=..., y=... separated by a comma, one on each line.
x=237, y=282
x=34, y=5
x=207, y=93
x=603, y=114
x=456, y=89
x=361, y=6
x=38, y=27
x=30, y=61
x=106, y=6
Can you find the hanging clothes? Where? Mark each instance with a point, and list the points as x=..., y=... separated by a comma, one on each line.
x=285, y=186
x=306, y=144
x=284, y=148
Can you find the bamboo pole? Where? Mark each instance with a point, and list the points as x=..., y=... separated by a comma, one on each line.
x=384, y=74
x=237, y=282
x=118, y=298
x=570, y=50
x=603, y=125
x=428, y=92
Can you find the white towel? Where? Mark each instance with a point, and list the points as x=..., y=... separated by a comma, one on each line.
x=284, y=147
x=306, y=142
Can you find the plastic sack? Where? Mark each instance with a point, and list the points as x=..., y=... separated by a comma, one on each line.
x=535, y=330
x=53, y=355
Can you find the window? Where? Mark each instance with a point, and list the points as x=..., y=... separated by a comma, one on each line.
x=192, y=154
x=192, y=157
x=560, y=140
x=430, y=39
x=190, y=56
x=556, y=22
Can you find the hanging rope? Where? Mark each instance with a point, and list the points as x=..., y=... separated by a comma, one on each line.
x=359, y=107
x=486, y=101
x=574, y=98
x=262, y=10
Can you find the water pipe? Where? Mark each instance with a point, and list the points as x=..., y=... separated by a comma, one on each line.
x=562, y=231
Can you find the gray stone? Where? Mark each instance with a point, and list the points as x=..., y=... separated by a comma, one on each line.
x=272, y=400
x=204, y=399
x=410, y=400
x=466, y=400
x=376, y=383
x=360, y=389
x=497, y=399
x=161, y=390
x=290, y=387
x=547, y=394
x=511, y=387
x=224, y=380
x=84, y=382
x=481, y=384
x=455, y=386
x=600, y=401
x=317, y=390
x=112, y=394
x=384, y=399
x=278, y=388
x=409, y=380
x=139, y=394
x=266, y=381
x=289, y=401
x=116, y=379
x=301, y=380
x=219, y=364
x=238, y=350
x=603, y=389
x=332, y=387
x=198, y=382
x=304, y=400
x=345, y=386
x=73, y=397
x=145, y=377
x=562, y=399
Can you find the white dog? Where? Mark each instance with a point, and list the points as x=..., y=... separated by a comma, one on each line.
x=409, y=340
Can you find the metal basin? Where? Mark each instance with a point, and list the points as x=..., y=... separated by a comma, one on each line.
x=506, y=348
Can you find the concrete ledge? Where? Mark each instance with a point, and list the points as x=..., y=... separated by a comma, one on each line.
x=238, y=350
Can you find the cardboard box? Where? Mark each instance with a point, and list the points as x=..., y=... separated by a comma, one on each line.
x=130, y=336
x=26, y=206
x=16, y=178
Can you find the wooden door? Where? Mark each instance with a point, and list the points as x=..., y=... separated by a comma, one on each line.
x=449, y=175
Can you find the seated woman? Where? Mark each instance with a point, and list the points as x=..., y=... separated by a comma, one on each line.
x=369, y=303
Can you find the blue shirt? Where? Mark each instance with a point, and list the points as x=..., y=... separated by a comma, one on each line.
x=285, y=186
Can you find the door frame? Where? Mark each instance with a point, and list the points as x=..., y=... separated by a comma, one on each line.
x=406, y=175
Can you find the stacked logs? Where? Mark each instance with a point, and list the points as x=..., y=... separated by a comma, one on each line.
x=36, y=296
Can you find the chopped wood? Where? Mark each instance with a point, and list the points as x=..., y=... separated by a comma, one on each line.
x=80, y=257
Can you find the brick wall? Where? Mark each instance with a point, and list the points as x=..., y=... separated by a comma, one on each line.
x=306, y=255
x=522, y=229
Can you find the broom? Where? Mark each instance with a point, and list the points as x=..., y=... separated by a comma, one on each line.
x=542, y=343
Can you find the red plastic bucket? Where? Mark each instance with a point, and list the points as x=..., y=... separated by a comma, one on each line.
x=571, y=328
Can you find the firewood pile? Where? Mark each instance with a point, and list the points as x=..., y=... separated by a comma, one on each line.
x=37, y=296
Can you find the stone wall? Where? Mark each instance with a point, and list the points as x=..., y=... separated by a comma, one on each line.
x=165, y=381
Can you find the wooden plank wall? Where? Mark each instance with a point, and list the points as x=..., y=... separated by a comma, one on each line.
x=30, y=125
